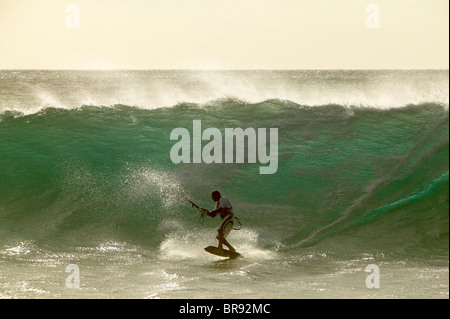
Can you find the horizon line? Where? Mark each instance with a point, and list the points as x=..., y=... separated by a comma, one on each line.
x=231, y=69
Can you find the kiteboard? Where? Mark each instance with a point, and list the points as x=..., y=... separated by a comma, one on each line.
x=222, y=252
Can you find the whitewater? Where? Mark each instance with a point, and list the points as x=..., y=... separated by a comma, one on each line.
x=86, y=179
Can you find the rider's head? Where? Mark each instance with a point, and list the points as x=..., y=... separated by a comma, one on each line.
x=215, y=196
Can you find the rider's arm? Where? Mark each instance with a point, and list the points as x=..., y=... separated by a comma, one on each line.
x=214, y=212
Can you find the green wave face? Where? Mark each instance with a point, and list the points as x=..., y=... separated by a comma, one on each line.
x=105, y=172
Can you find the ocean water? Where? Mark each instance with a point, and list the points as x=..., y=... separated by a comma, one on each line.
x=86, y=179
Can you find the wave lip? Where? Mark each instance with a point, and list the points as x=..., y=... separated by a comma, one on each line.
x=29, y=92
x=230, y=105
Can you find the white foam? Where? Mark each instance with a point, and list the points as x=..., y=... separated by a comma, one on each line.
x=182, y=242
x=146, y=180
x=22, y=248
x=156, y=89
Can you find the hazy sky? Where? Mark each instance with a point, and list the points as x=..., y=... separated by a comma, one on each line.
x=223, y=34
